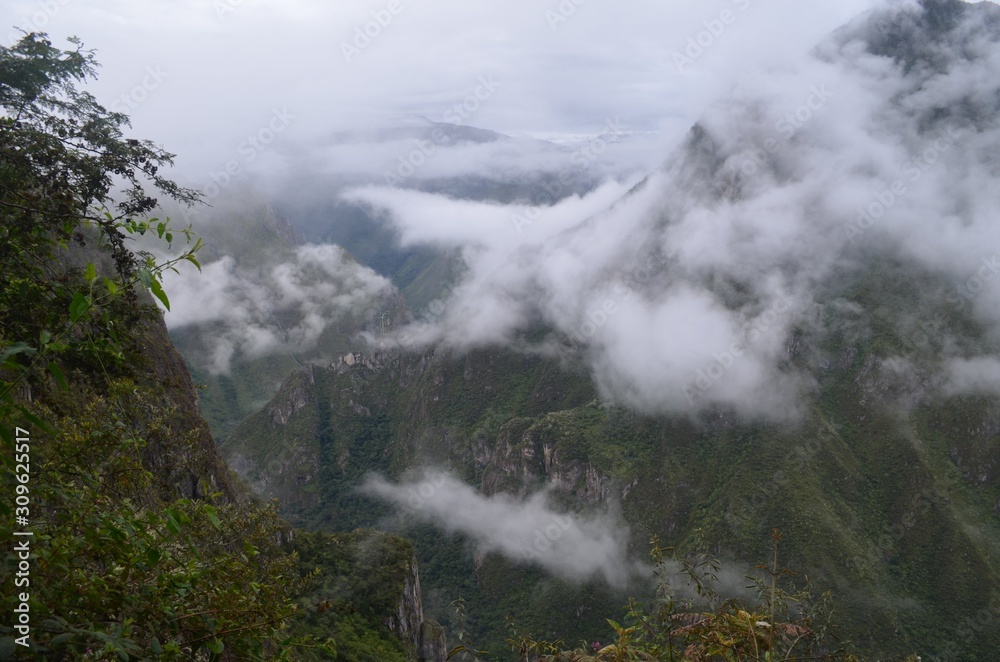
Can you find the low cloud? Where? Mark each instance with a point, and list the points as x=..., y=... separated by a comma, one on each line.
x=525, y=530
x=687, y=290
x=572, y=546
x=976, y=375
x=281, y=306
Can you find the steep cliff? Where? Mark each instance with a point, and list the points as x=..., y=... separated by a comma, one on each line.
x=867, y=497
x=862, y=423
x=369, y=597
x=202, y=471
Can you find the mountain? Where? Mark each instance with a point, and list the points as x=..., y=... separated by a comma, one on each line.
x=265, y=303
x=449, y=159
x=133, y=539
x=300, y=275
x=368, y=599
x=791, y=325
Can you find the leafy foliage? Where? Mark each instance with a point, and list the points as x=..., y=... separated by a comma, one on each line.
x=725, y=630
x=142, y=548
x=873, y=509
x=120, y=570
x=360, y=579
x=61, y=154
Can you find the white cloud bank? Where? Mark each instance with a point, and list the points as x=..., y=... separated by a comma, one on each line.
x=263, y=309
x=686, y=291
x=572, y=546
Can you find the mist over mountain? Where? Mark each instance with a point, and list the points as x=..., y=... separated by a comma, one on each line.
x=687, y=291
x=570, y=546
x=744, y=279
x=805, y=286
x=827, y=222
x=257, y=291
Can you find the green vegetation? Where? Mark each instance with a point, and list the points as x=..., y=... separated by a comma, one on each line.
x=364, y=575
x=144, y=547
x=259, y=246
x=124, y=569
x=141, y=546
x=781, y=626
x=888, y=504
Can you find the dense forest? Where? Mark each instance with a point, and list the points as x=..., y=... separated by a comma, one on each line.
x=381, y=484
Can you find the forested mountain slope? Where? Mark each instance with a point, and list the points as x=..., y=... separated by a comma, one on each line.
x=799, y=331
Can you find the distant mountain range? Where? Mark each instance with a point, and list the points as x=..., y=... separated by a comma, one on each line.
x=792, y=324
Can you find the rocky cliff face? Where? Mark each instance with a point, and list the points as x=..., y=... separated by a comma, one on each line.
x=885, y=483
x=194, y=470
x=371, y=577
x=200, y=470
x=325, y=408
x=423, y=635
x=510, y=423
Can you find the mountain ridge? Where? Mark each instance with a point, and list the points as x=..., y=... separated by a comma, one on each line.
x=884, y=480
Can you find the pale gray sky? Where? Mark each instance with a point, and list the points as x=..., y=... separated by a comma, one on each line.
x=844, y=134
x=200, y=75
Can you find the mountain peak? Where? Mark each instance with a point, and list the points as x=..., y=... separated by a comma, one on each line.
x=931, y=32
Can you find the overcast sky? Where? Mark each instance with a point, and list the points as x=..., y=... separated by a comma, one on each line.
x=641, y=284
x=224, y=66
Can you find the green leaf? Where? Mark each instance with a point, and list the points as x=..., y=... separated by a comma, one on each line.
x=60, y=377
x=216, y=646
x=145, y=277
x=158, y=292
x=78, y=306
x=90, y=273
x=34, y=420
x=112, y=286
x=193, y=260
x=212, y=517
x=172, y=524
x=16, y=348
